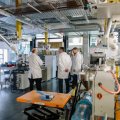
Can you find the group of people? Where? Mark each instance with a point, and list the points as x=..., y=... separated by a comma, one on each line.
x=67, y=65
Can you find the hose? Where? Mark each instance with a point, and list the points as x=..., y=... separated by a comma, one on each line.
x=109, y=91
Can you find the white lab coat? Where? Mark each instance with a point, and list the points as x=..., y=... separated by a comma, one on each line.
x=64, y=62
x=77, y=62
x=35, y=64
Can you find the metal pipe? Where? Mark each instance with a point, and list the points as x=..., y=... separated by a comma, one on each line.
x=5, y=40
x=34, y=8
x=107, y=33
x=106, y=117
x=108, y=28
x=113, y=29
x=3, y=12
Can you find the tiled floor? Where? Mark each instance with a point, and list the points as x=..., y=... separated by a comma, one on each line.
x=12, y=110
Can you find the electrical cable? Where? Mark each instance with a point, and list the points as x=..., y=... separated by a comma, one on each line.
x=109, y=91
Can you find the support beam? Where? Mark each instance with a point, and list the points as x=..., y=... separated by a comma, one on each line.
x=33, y=43
x=34, y=8
x=86, y=51
x=65, y=41
x=18, y=3
x=46, y=37
x=18, y=23
x=19, y=29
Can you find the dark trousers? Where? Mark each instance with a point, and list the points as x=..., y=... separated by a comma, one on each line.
x=38, y=83
x=75, y=79
x=61, y=85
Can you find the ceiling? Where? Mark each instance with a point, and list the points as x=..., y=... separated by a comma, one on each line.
x=58, y=16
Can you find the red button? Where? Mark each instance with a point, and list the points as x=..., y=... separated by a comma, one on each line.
x=99, y=96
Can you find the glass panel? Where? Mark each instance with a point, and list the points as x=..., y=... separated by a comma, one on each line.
x=1, y=56
x=1, y=61
x=1, y=51
x=5, y=55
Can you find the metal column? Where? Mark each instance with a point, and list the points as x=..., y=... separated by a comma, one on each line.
x=65, y=41
x=33, y=43
x=46, y=37
x=86, y=52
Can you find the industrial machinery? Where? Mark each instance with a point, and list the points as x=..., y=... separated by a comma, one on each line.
x=19, y=77
x=98, y=58
x=103, y=102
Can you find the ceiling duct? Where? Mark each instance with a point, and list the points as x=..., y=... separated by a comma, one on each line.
x=79, y=28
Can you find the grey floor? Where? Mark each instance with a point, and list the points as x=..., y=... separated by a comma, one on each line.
x=12, y=110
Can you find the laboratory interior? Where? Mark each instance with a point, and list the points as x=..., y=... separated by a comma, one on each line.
x=59, y=59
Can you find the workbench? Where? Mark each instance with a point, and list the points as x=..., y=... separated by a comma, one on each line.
x=42, y=108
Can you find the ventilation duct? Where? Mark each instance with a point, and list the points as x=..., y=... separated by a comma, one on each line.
x=79, y=28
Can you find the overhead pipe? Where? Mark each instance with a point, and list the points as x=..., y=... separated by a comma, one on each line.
x=107, y=33
x=114, y=26
x=34, y=8
x=108, y=28
x=3, y=12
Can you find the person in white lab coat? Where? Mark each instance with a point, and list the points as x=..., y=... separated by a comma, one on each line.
x=35, y=72
x=77, y=61
x=64, y=67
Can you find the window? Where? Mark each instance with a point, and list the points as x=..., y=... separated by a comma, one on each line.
x=93, y=41
x=76, y=41
x=24, y=47
x=3, y=56
x=1, y=51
